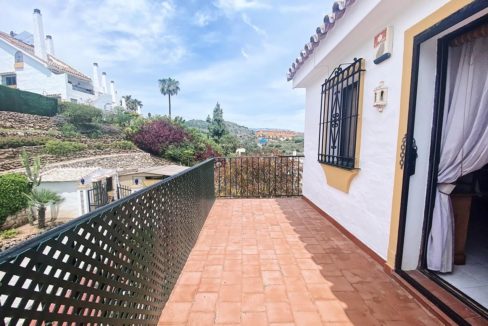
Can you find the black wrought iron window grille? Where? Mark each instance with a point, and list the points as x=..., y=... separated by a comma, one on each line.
x=339, y=110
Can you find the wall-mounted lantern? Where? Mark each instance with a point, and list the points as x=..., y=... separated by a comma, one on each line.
x=136, y=181
x=380, y=97
x=82, y=181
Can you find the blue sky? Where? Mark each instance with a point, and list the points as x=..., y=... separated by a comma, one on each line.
x=235, y=52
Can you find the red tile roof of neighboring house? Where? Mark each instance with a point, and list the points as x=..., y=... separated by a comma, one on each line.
x=53, y=63
x=338, y=10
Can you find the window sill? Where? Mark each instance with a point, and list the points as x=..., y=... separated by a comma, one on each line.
x=339, y=178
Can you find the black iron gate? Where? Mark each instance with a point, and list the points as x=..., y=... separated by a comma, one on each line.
x=97, y=197
x=123, y=191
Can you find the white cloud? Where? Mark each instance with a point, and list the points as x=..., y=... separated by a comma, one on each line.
x=203, y=18
x=230, y=6
x=257, y=29
x=298, y=8
x=244, y=54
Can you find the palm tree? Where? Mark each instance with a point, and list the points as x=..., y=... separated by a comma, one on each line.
x=132, y=104
x=169, y=86
x=40, y=198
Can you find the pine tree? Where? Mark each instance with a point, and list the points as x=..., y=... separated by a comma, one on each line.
x=217, y=127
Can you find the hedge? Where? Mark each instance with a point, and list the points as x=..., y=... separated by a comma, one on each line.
x=15, y=142
x=12, y=200
x=63, y=148
x=15, y=100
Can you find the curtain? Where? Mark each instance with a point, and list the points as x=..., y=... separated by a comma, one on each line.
x=464, y=143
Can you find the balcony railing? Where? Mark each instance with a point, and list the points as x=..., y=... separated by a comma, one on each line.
x=258, y=177
x=115, y=265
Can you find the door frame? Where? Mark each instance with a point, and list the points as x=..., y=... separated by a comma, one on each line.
x=409, y=159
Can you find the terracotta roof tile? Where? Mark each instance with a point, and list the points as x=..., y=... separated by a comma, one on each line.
x=338, y=10
x=53, y=63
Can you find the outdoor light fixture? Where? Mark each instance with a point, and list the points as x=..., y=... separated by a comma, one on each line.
x=380, y=96
x=136, y=181
x=82, y=181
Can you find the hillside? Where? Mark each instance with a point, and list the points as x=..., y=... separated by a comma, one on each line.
x=44, y=137
x=233, y=128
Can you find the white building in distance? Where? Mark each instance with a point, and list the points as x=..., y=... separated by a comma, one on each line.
x=28, y=62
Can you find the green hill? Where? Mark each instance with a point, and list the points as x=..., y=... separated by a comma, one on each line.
x=233, y=128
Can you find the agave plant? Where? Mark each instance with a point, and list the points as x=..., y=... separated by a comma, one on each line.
x=33, y=174
x=41, y=198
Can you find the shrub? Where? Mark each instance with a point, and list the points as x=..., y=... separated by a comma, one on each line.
x=120, y=116
x=99, y=146
x=52, y=132
x=15, y=142
x=15, y=100
x=123, y=145
x=206, y=153
x=8, y=234
x=80, y=113
x=63, y=148
x=107, y=129
x=156, y=136
x=12, y=200
x=69, y=130
x=182, y=154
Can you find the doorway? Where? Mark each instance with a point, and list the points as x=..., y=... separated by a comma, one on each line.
x=436, y=54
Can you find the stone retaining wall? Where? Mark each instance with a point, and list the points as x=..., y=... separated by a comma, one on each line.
x=14, y=161
x=22, y=121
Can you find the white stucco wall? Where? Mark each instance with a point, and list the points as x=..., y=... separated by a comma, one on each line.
x=37, y=78
x=6, y=58
x=366, y=210
x=34, y=76
x=70, y=207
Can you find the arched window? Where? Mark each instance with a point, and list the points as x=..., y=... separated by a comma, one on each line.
x=19, y=57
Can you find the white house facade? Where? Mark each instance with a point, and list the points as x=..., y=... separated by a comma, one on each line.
x=377, y=76
x=28, y=62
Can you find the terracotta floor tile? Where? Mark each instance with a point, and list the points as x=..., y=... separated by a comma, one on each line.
x=212, y=271
x=251, y=271
x=279, y=312
x=254, y=319
x=295, y=284
x=313, y=276
x=270, y=265
x=190, y=278
x=250, y=259
x=231, y=278
x=278, y=262
x=209, y=285
x=272, y=277
x=228, y=312
x=307, y=318
x=338, y=283
x=194, y=266
x=275, y=293
x=253, y=302
x=252, y=285
x=175, y=312
x=332, y=311
x=230, y=293
x=307, y=263
x=205, y=301
x=201, y=319
x=183, y=293
x=301, y=301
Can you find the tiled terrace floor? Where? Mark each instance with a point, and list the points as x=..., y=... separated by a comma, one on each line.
x=278, y=262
